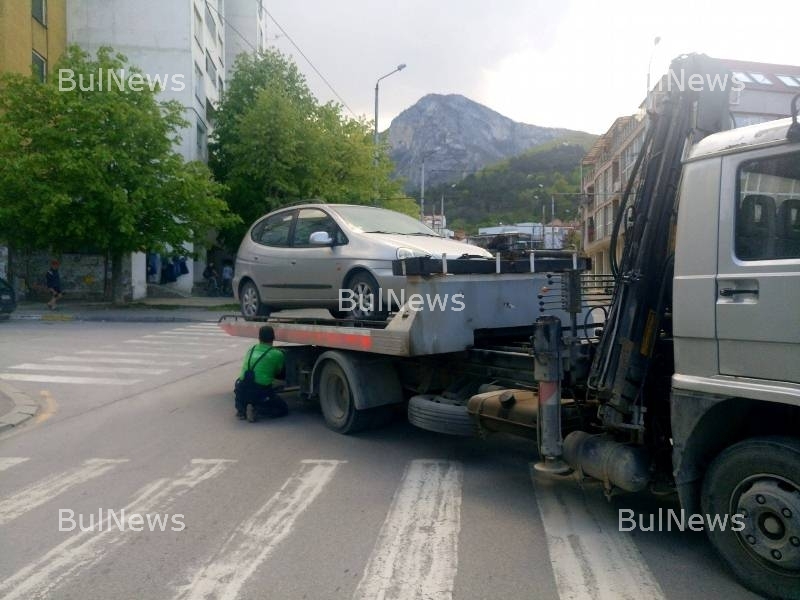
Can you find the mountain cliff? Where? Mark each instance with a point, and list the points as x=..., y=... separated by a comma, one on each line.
x=456, y=136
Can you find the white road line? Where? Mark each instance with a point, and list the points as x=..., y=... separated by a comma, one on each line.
x=206, y=347
x=197, y=334
x=257, y=537
x=84, y=549
x=590, y=557
x=50, y=487
x=120, y=361
x=416, y=554
x=134, y=353
x=88, y=369
x=10, y=461
x=66, y=379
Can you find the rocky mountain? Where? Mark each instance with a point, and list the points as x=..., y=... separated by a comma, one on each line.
x=456, y=136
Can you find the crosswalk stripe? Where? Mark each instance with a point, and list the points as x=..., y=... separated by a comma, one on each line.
x=47, y=489
x=86, y=548
x=10, y=461
x=66, y=379
x=197, y=334
x=416, y=553
x=589, y=560
x=135, y=353
x=257, y=537
x=205, y=346
x=88, y=369
x=120, y=361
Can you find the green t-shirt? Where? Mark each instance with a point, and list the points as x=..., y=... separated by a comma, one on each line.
x=268, y=367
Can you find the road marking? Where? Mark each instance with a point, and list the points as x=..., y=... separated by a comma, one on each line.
x=50, y=487
x=10, y=461
x=50, y=407
x=197, y=334
x=88, y=369
x=169, y=343
x=134, y=353
x=84, y=549
x=121, y=361
x=66, y=379
x=416, y=554
x=257, y=537
x=590, y=557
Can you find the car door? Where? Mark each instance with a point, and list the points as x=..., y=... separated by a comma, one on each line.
x=758, y=280
x=269, y=259
x=316, y=271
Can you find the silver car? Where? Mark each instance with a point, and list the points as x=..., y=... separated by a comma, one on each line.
x=314, y=255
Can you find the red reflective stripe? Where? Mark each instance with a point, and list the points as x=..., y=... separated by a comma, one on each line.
x=333, y=339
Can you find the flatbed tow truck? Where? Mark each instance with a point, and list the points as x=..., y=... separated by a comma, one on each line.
x=680, y=371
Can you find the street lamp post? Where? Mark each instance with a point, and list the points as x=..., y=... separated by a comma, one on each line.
x=400, y=67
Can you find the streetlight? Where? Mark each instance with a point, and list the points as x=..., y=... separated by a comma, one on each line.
x=400, y=67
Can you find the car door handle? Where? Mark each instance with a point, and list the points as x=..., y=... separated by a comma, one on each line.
x=728, y=292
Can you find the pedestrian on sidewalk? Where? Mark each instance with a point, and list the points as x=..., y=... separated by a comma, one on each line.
x=53, y=284
x=227, y=278
x=254, y=389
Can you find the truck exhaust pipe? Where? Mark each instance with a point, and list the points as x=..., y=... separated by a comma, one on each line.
x=615, y=464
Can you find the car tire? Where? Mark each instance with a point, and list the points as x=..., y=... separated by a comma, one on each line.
x=434, y=413
x=337, y=402
x=250, y=301
x=365, y=287
x=758, y=478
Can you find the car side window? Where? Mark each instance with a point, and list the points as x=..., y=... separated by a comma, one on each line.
x=274, y=230
x=310, y=220
x=768, y=209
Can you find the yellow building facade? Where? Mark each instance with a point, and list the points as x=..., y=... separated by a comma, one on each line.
x=33, y=35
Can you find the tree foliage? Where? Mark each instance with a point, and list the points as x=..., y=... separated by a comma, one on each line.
x=97, y=169
x=274, y=144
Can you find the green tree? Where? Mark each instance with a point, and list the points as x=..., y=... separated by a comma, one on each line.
x=274, y=144
x=96, y=169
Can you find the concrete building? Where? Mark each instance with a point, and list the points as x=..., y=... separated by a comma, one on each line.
x=245, y=28
x=33, y=35
x=766, y=95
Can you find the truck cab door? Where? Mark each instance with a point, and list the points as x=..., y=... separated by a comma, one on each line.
x=758, y=275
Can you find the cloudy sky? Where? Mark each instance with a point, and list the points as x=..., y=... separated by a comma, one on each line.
x=575, y=64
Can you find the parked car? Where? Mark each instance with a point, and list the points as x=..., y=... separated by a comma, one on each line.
x=302, y=256
x=8, y=299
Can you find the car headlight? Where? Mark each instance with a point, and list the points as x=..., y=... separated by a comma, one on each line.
x=409, y=253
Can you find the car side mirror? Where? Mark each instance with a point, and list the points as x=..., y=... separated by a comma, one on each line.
x=320, y=238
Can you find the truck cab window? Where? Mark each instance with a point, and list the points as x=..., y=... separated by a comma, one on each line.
x=768, y=209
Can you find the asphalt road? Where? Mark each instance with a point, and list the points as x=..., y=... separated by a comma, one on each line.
x=140, y=417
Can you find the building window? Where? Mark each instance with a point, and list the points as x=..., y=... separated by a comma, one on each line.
x=39, y=64
x=211, y=24
x=202, y=141
x=789, y=80
x=199, y=90
x=198, y=27
x=761, y=78
x=211, y=69
x=742, y=77
x=39, y=10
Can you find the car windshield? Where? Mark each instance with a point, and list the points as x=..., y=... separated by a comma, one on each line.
x=368, y=219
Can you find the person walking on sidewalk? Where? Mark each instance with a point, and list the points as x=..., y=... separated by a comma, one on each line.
x=53, y=284
x=254, y=391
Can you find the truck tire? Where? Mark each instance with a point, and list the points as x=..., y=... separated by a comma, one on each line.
x=337, y=402
x=435, y=413
x=759, y=479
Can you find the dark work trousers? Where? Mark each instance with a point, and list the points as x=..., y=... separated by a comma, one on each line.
x=266, y=402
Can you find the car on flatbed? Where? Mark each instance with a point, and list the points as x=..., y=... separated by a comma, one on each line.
x=312, y=255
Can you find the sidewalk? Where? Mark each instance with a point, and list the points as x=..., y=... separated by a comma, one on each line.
x=147, y=310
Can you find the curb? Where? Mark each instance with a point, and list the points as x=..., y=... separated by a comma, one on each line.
x=65, y=318
x=25, y=407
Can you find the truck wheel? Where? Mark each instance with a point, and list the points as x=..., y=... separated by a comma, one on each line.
x=337, y=402
x=434, y=413
x=250, y=301
x=370, y=306
x=758, y=479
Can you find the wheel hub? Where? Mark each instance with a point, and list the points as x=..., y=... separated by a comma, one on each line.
x=771, y=511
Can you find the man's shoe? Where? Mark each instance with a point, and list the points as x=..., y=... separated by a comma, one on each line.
x=251, y=413
x=241, y=416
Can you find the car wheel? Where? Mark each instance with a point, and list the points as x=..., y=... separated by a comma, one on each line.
x=337, y=402
x=251, y=301
x=758, y=479
x=369, y=305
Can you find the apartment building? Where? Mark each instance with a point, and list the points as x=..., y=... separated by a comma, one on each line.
x=33, y=36
x=766, y=95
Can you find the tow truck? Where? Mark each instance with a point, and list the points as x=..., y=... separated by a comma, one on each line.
x=680, y=370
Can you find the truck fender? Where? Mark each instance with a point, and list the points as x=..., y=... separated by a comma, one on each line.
x=373, y=380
